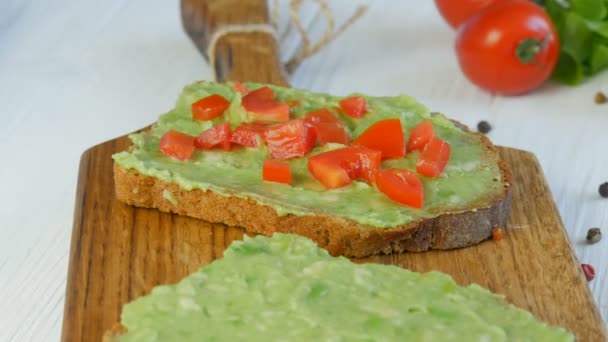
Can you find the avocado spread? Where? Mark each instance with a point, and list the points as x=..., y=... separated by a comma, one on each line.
x=285, y=288
x=472, y=174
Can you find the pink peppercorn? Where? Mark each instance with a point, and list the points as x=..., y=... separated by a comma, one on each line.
x=589, y=271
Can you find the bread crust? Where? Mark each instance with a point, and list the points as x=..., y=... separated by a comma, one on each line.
x=338, y=235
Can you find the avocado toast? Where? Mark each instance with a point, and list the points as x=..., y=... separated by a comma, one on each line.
x=461, y=205
x=285, y=288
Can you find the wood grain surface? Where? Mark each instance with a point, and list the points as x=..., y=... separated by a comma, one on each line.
x=120, y=252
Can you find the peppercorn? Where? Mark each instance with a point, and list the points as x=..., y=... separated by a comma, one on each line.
x=600, y=98
x=603, y=190
x=589, y=271
x=497, y=234
x=484, y=127
x=594, y=235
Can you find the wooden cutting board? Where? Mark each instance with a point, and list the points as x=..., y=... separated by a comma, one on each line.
x=120, y=252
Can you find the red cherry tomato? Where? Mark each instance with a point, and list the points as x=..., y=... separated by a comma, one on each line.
x=261, y=103
x=177, y=145
x=209, y=107
x=338, y=168
x=248, y=135
x=508, y=48
x=214, y=136
x=274, y=171
x=385, y=136
x=456, y=12
x=329, y=128
x=240, y=88
x=291, y=139
x=420, y=135
x=434, y=158
x=354, y=106
x=401, y=186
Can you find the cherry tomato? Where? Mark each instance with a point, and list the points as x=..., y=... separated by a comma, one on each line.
x=248, y=135
x=209, y=107
x=456, y=12
x=354, y=106
x=177, y=145
x=214, y=136
x=434, y=158
x=338, y=168
x=261, y=103
x=329, y=128
x=508, y=48
x=385, y=136
x=420, y=135
x=291, y=139
x=274, y=171
x=402, y=186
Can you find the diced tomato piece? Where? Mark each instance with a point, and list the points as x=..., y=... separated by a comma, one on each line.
x=261, y=103
x=240, y=88
x=216, y=135
x=209, y=107
x=340, y=167
x=177, y=145
x=292, y=139
x=434, y=158
x=355, y=106
x=329, y=128
x=260, y=94
x=269, y=111
x=275, y=171
x=420, y=136
x=248, y=135
x=385, y=136
x=401, y=186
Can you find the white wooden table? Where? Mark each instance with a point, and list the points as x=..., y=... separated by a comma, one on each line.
x=75, y=73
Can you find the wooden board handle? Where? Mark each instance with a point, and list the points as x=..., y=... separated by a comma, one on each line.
x=239, y=56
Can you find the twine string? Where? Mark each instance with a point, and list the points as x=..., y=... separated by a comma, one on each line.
x=306, y=49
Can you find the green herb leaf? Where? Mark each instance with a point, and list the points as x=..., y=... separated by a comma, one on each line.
x=576, y=37
x=599, y=58
x=589, y=9
x=568, y=70
x=599, y=27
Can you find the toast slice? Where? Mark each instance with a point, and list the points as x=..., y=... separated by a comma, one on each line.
x=286, y=288
x=461, y=207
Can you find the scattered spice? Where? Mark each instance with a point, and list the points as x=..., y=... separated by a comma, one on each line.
x=600, y=98
x=603, y=190
x=497, y=234
x=594, y=235
x=484, y=127
x=589, y=271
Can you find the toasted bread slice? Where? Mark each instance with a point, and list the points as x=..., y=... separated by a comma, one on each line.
x=449, y=219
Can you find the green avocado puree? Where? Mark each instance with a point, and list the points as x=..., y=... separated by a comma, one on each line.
x=472, y=173
x=285, y=288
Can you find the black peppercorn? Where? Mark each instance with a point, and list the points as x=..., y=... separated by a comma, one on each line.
x=594, y=235
x=603, y=190
x=484, y=127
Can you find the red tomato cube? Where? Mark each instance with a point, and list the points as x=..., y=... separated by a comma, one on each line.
x=177, y=145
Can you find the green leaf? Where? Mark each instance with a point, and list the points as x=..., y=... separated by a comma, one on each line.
x=576, y=37
x=599, y=58
x=589, y=9
x=599, y=27
x=568, y=70
x=557, y=13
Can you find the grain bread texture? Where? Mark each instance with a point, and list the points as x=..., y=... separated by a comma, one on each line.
x=340, y=236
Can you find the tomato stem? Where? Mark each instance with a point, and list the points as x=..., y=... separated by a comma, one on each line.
x=529, y=48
